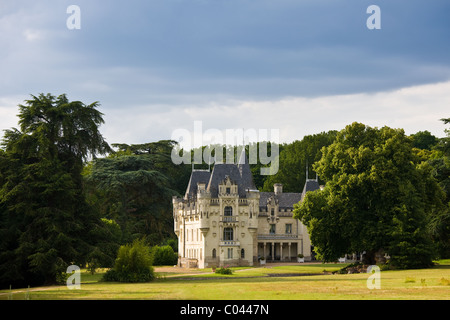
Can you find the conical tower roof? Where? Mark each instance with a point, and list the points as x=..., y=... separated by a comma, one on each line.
x=245, y=172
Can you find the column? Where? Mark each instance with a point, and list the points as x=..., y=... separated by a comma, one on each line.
x=281, y=251
x=264, y=251
x=289, y=251
x=273, y=250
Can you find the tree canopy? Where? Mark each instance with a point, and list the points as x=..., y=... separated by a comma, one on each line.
x=295, y=157
x=378, y=198
x=61, y=203
x=134, y=192
x=45, y=223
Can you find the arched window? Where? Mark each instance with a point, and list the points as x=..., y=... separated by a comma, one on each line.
x=242, y=253
x=228, y=212
x=228, y=234
x=214, y=253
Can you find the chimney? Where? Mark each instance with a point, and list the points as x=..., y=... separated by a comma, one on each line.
x=278, y=188
x=201, y=187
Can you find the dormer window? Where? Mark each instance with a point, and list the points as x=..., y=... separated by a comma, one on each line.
x=272, y=212
x=228, y=190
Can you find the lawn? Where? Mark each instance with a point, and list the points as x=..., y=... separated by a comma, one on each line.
x=256, y=283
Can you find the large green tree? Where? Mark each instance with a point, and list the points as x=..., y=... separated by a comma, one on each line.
x=295, y=157
x=45, y=222
x=134, y=187
x=379, y=197
x=159, y=155
x=439, y=159
x=424, y=140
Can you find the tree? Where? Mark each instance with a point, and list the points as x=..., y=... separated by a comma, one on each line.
x=133, y=191
x=295, y=157
x=45, y=222
x=159, y=153
x=424, y=140
x=378, y=198
x=439, y=226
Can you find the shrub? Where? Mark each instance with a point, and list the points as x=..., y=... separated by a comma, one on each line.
x=163, y=256
x=356, y=267
x=61, y=278
x=133, y=264
x=224, y=271
x=410, y=280
x=173, y=243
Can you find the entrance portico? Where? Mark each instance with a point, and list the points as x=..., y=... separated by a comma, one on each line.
x=276, y=250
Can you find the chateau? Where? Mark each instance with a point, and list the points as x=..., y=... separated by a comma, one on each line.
x=223, y=220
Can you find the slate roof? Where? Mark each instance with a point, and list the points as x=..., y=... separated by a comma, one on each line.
x=239, y=173
x=285, y=199
x=197, y=176
x=310, y=185
x=288, y=199
x=245, y=172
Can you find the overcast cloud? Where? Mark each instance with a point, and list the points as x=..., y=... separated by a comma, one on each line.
x=299, y=66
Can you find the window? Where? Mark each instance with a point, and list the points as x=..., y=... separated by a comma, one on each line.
x=230, y=253
x=272, y=229
x=242, y=253
x=228, y=211
x=272, y=212
x=214, y=253
x=228, y=191
x=228, y=234
x=288, y=228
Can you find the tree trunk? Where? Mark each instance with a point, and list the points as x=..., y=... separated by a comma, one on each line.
x=379, y=257
x=373, y=257
x=369, y=257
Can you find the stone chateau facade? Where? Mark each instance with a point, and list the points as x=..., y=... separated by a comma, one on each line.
x=223, y=220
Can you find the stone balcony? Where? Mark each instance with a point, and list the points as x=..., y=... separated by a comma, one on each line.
x=229, y=219
x=278, y=236
x=229, y=243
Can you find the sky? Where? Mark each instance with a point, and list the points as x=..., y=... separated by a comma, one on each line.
x=299, y=66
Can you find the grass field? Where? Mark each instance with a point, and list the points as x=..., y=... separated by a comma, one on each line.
x=301, y=281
